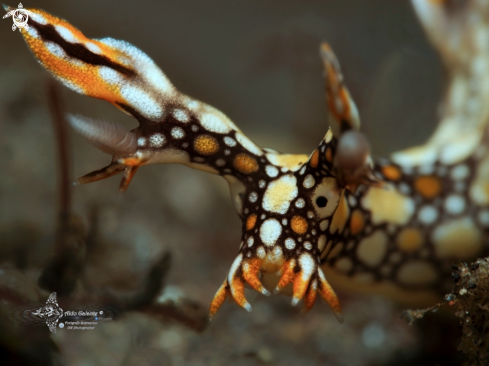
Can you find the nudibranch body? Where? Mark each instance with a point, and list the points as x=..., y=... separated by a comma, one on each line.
x=394, y=222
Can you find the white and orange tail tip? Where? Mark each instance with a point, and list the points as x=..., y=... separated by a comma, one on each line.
x=106, y=68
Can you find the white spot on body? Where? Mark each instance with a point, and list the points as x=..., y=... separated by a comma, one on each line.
x=280, y=193
x=38, y=18
x=290, y=243
x=455, y=204
x=157, y=140
x=262, y=183
x=253, y=197
x=65, y=34
x=307, y=245
x=284, y=222
x=109, y=75
x=250, y=241
x=427, y=215
x=426, y=169
x=303, y=170
x=484, y=217
x=229, y=141
x=234, y=268
x=329, y=136
x=180, y=115
x=55, y=49
x=214, y=123
x=300, y=203
x=195, y=128
x=270, y=230
x=260, y=252
x=92, y=47
x=142, y=141
x=309, y=181
x=177, y=133
x=460, y=172
x=404, y=188
x=142, y=101
x=248, y=144
x=324, y=225
x=220, y=162
x=193, y=105
x=321, y=243
x=33, y=33
x=271, y=171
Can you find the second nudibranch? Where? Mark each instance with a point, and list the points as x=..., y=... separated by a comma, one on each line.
x=395, y=222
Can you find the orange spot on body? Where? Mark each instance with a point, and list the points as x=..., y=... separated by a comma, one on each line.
x=131, y=161
x=329, y=155
x=409, y=240
x=313, y=162
x=245, y=164
x=391, y=172
x=250, y=222
x=428, y=186
x=299, y=225
x=357, y=222
x=206, y=145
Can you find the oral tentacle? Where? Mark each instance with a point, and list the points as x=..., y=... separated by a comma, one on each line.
x=251, y=269
x=221, y=295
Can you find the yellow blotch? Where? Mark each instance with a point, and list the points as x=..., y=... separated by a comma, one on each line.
x=206, y=145
x=458, y=239
x=341, y=215
x=250, y=222
x=479, y=191
x=428, y=186
x=371, y=250
x=299, y=225
x=313, y=162
x=245, y=163
x=386, y=204
x=391, y=172
x=357, y=222
x=409, y=240
x=417, y=273
x=280, y=193
x=290, y=161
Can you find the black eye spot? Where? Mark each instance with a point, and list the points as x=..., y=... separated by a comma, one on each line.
x=321, y=201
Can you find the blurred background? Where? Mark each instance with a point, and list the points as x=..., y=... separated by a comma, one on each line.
x=257, y=61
